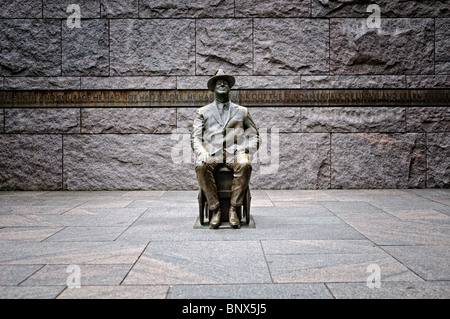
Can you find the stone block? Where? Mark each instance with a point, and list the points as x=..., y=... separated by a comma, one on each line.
x=30, y=162
x=442, y=67
x=242, y=82
x=353, y=119
x=42, y=83
x=58, y=9
x=299, y=161
x=267, y=82
x=399, y=46
x=224, y=44
x=152, y=47
x=2, y=121
x=291, y=46
x=438, y=159
x=128, y=120
x=352, y=81
x=124, y=162
x=192, y=82
x=13, y=9
x=428, y=119
x=186, y=9
x=273, y=8
x=37, y=120
x=30, y=47
x=443, y=39
x=185, y=118
x=85, y=50
x=120, y=8
x=128, y=83
x=388, y=8
x=285, y=119
x=427, y=81
x=377, y=160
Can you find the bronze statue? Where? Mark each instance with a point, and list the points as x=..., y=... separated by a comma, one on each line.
x=223, y=134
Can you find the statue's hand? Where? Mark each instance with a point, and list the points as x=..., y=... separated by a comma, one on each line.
x=243, y=158
x=204, y=158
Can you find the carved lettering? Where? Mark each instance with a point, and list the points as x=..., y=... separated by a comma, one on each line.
x=244, y=97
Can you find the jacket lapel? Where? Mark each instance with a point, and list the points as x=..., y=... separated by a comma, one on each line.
x=214, y=110
x=215, y=113
x=232, y=112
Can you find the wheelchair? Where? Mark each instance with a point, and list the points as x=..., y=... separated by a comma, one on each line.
x=224, y=180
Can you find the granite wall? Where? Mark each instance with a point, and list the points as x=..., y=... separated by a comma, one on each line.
x=268, y=45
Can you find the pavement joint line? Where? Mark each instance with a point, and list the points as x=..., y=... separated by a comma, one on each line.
x=131, y=225
x=348, y=224
x=329, y=290
x=134, y=264
x=389, y=254
x=265, y=259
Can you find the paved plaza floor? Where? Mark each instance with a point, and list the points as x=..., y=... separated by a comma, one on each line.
x=305, y=244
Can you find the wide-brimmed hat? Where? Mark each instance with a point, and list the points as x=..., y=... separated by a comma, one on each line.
x=220, y=74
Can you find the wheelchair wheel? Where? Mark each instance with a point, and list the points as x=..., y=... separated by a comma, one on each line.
x=203, y=207
x=246, y=206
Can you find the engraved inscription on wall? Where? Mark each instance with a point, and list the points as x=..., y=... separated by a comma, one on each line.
x=174, y=98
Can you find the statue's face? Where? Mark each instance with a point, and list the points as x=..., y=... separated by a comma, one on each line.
x=222, y=86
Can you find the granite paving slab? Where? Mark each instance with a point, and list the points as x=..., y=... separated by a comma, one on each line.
x=295, y=247
x=335, y=268
x=305, y=244
x=115, y=292
x=438, y=195
x=41, y=292
x=26, y=209
x=250, y=291
x=299, y=195
x=173, y=232
x=88, y=233
x=429, y=262
x=389, y=230
x=200, y=262
x=90, y=275
x=25, y=234
x=12, y=275
x=294, y=231
x=20, y=253
x=391, y=290
x=76, y=217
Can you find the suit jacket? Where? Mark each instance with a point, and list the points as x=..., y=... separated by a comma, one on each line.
x=224, y=140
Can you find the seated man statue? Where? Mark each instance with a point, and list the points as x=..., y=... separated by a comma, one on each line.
x=223, y=134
